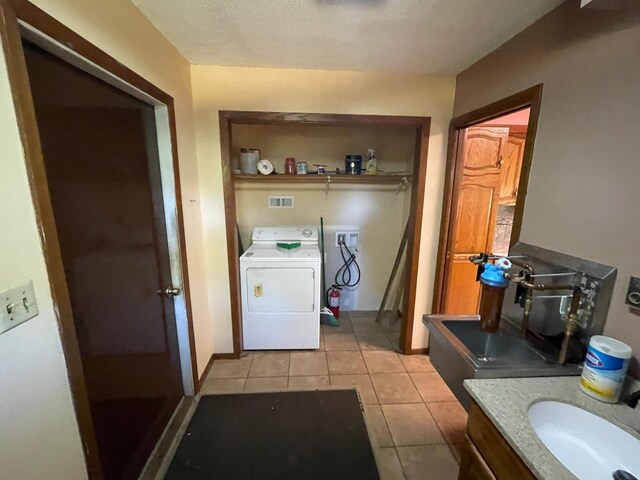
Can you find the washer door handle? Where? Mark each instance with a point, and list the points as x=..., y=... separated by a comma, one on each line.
x=257, y=290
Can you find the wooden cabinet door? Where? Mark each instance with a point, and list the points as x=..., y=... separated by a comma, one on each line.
x=487, y=454
x=511, y=168
x=475, y=207
x=472, y=465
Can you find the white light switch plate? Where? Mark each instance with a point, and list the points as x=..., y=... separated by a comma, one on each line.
x=17, y=305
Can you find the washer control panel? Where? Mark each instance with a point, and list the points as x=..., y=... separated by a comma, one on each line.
x=270, y=235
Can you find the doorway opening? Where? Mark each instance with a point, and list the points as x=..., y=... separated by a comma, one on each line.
x=317, y=136
x=490, y=153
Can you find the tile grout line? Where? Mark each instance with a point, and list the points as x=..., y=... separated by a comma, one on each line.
x=431, y=414
x=404, y=474
x=405, y=370
x=244, y=385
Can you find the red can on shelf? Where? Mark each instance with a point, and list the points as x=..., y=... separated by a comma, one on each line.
x=290, y=166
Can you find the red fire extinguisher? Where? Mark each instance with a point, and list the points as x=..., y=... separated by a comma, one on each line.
x=334, y=300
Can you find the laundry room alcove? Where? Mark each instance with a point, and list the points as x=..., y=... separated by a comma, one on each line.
x=376, y=206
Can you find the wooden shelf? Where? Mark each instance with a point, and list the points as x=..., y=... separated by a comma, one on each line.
x=325, y=178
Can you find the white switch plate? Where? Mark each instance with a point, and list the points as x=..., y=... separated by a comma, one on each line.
x=17, y=305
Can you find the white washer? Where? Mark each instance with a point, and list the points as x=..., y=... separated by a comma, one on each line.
x=281, y=290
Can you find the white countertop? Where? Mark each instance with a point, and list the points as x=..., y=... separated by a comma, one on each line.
x=506, y=402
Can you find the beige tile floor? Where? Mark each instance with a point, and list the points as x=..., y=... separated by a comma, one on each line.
x=414, y=422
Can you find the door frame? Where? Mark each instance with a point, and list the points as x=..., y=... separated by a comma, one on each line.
x=20, y=18
x=421, y=125
x=532, y=98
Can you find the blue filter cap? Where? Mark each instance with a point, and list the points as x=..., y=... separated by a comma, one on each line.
x=493, y=276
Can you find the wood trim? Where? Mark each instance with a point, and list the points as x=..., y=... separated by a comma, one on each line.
x=207, y=369
x=415, y=234
x=30, y=138
x=224, y=356
x=447, y=208
x=510, y=104
x=421, y=125
x=323, y=179
x=512, y=128
x=500, y=457
x=45, y=23
x=205, y=373
x=231, y=221
x=527, y=158
x=319, y=119
x=419, y=351
x=12, y=11
x=472, y=464
x=38, y=19
x=531, y=97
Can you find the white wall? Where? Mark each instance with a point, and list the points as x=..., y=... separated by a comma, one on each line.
x=263, y=89
x=37, y=422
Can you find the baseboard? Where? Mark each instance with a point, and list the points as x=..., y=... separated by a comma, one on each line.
x=225, y=356
x=205, y=372
x=420, y=351
x=160, y=459
x=207, y=369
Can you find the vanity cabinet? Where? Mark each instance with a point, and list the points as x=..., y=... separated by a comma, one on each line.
x=487, y=455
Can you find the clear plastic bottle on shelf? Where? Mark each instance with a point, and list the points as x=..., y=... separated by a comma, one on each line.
x=372, y=162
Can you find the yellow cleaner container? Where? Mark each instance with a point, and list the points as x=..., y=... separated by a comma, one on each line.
x=605, y=368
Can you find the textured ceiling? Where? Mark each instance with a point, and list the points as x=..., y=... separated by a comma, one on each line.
x=406, y=36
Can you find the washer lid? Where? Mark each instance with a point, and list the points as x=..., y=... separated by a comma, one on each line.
x=270, y=235
x=271, y=252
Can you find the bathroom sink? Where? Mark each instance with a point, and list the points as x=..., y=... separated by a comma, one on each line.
x=588, y=445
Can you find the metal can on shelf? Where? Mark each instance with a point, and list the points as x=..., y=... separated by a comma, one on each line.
x=302, y=168
x=353, y=164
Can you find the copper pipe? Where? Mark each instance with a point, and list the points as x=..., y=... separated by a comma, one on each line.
x=528, y=301
x=572, y=320
x=524, y=265
x=538, y=286
x=526, y=313
x=572, y=323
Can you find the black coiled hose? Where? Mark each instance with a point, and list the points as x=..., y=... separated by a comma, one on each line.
x=343, y=275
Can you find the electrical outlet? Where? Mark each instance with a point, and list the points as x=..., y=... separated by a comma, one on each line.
x=17, y=305
x=633, y=293
x=350, y=239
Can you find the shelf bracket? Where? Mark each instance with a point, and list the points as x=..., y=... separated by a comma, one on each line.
x=402, y=186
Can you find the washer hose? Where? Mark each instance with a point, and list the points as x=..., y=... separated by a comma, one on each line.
x=343, y=275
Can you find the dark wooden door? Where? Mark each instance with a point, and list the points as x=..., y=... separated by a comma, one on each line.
x=101, y=156
x=475, y=206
